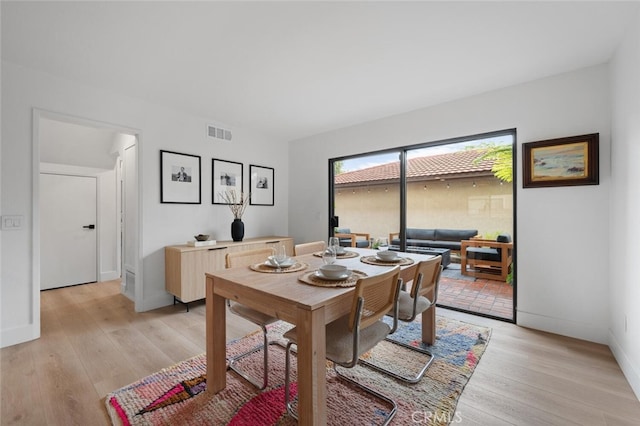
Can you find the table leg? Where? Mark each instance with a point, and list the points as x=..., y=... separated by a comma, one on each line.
x=216, y=340
x=312, y=371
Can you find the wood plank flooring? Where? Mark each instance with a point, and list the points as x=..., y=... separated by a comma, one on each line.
x=93, y=342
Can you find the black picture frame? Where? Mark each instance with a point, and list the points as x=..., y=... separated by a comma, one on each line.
x=180, y=178
x=262, y=185
x=226, y=176
x=569, y=161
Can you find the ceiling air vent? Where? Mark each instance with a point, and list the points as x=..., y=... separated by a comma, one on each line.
x=218, y=133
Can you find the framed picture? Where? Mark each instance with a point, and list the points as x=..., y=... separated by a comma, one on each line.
x=225, y=176
x=261, y=185
x=561, y=162
x=179, y=178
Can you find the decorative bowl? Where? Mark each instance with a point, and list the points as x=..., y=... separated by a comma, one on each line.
x=201, y=237
x=387, y=255
x=333, y=270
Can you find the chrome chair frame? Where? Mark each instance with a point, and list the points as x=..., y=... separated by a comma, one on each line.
x=255, y=317
x=356, y=317
x=415, y=297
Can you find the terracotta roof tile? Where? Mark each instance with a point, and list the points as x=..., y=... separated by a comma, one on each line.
x=451, y=164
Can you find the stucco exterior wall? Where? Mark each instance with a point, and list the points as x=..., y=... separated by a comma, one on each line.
x=374, y=209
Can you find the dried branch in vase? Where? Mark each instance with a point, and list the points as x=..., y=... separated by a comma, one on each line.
x=237, y=202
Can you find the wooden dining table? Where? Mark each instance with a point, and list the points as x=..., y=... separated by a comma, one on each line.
x=309, y=307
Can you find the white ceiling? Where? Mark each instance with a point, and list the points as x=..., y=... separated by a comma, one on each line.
x=294, y=69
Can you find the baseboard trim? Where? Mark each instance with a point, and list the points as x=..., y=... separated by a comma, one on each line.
x=628, y=369
x=109, y=276
x=159, y=301
x=18, y=335
x=578, y=330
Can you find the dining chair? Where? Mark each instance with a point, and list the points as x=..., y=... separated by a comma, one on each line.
x=423, y=296
x=248, y=258
x=351, y=335
x=308, y=248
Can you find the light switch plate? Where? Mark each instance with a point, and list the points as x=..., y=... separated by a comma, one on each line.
x=12, y=223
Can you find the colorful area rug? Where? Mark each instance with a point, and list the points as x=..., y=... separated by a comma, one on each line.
x=175, y=395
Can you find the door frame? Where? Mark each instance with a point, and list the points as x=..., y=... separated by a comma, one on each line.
x=37, y=114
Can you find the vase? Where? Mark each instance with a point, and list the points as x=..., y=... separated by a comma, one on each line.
x=237, y=230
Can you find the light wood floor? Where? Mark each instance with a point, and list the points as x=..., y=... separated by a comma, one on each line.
x=93, y=342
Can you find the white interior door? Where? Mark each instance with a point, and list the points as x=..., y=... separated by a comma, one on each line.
x=68, y=238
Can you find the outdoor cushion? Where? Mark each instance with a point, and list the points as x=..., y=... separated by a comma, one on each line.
x=421, y=234
x=436, y=238
x=346, y=242
x=483, y=253
x=455, y=234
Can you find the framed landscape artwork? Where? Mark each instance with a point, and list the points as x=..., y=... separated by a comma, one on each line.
x=561, y=162
x=226, y=176
x=261, y=185
x=179, y=178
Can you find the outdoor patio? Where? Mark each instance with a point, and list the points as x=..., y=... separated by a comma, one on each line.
x=484, y=296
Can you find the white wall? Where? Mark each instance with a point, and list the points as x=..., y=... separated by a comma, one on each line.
x=562, y=233
x=624, y=288
x=161, y=224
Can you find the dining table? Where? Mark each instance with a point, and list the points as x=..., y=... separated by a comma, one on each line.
x=285, y=296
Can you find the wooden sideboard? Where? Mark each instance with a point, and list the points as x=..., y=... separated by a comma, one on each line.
x=185, y=266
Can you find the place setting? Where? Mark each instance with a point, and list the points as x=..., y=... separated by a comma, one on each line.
x=332, y=275
x=279, y=262
x=341, y=252
x=387, y=258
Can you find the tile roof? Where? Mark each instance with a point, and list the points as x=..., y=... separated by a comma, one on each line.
x=429, y=167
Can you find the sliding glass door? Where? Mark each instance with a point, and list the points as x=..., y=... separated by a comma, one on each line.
x=428, y=199
x=366, y=196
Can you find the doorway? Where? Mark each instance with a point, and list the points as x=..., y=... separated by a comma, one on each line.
x=79, y=148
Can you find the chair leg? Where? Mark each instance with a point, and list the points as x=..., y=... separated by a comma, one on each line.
x=287, y=389
x=408, y=379
x=265, y=372
x=370, y=391
x=287, y=382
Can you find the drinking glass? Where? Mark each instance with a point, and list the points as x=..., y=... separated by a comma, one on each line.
x=383, y=243
x=334, y=242
x=279, y=257
x=329, y=255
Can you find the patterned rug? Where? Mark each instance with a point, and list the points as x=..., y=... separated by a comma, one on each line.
x=175, y=395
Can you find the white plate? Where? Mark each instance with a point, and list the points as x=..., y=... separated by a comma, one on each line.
x=289, y=262
x=344, y=276
x=395, y=259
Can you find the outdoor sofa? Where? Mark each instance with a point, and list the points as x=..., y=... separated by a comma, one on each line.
x=434, y=238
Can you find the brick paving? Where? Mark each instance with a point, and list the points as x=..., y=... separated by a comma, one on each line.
x=484, y=296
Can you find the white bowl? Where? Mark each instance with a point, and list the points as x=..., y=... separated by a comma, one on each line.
x=387, y=255
x=340, y=250
x=333, y=270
